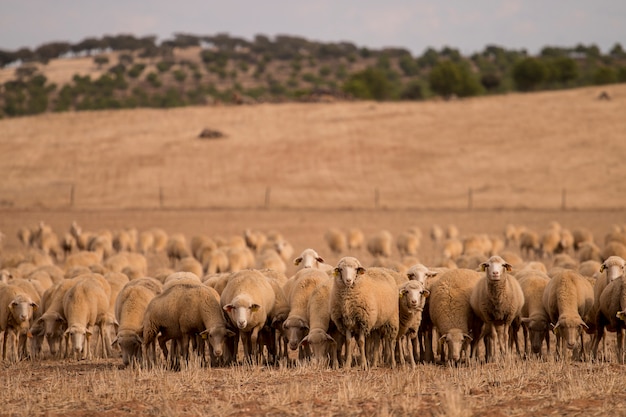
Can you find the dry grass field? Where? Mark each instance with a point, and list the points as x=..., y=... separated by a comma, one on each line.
x=302, y=168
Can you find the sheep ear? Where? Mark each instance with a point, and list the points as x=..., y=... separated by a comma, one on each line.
x=360, y=270
x=230, y=333
x=426, y=293
x=602, y=268
x=114, y=342
x=403, y=293
x=255, y=307
x=508, y=267
x=228, y=308
x=442, y=338
x=297, y=261
x=431, y=274
x=555, y=329
x=467, y=337
x=582, y=323
x=336, y=272
x=87, y=332
x=304, y=341
x=35, y=306
x=204, y=334
x=525, y=320
x=483, y=266
x=319, y=259
x=621, y=315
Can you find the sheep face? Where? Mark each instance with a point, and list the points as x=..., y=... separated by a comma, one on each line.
x=130, y=345
x=614, y=267
x=420, y=273
x=78, y=337
x=240, y=311
x=37, y=332
x=347, y=271
x=320, y=343
x=496, y=268
x=308, y=259
x=295, y=330
x=54, y=326
x=456, y=341
x=414, y=295
x=217, y=337
x=537, y=330
x=570, y=331
x=22, y=308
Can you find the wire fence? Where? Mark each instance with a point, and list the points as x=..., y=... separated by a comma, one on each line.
x=69, y=196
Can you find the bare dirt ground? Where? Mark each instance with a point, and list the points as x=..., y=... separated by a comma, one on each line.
x=300, y=169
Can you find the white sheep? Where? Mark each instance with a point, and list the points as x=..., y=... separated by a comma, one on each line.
x=214, y=261
x=309, y=258
x=130, y=307
x=270, y=259
x=451, y=312
x=452, y=248
x=176, y=248
x=121, y=260
x=412, y=298
x=239, y=258
x=189, y=264
x=362, y=301
x=529, y=243
x=421, y=273
x=247, y=300
x=407, y=243
x=611, y=314
x=16, y=312
x=568, y=299
x=355, y=238
x=84, y=305
x=82, y=258
x=336, y=240
x=436, y=233
x=254, y=239
x=582, y=235
x=145, y=242
x=535, y=318
x=497, y=299
x=380, y=244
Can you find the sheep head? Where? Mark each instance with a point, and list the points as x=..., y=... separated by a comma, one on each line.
x=496, y=268
x=420, y=273
x=614, y=266
x=347, y=271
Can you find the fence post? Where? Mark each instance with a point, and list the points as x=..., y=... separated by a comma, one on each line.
x=470, y=198
x=563, y=199
x=376, y=198
x=268, y=192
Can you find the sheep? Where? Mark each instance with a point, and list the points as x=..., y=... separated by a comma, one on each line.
x=535, y=319
x=323, y=338
x=124, y=241
x=130, y=307
x=181, y=312
x=613, y=248
x=247, y=299
x=497, y=299
x=421, y=273
x=254, y=239
x=451, y=312
x=589, y=251
x=296, y=325
x=277, y=315
x=549, y=242
x=611, y=315
x=529, y=243
x=477, y=244
x=452, y=248
x=270, y=259
x=512, y=235
x=84, y=305
x=590, y=269
x=310, y=259
x=611, y=269
x=239, y=258
x=82, y=258
x=336, y=240
x=16, y=312
x=407, y=243
x=568, y=299
x=121, y=260
x=145, y=242
x=215, y=261
x=181, y=277
x=380, y=243
x=436, y=233
x=361, y=301
x=176, y=248
x=412, y=298
x=355, y=238
x=189, y=264
x=117, y=281
x=582, y=235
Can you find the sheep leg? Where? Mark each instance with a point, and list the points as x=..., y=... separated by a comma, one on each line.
x=349, y=347
x=620, y=345
x=361, y=344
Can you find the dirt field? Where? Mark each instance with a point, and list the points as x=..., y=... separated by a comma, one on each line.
x=300, y=169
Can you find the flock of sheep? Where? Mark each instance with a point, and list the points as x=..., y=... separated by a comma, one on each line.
x=205, y=296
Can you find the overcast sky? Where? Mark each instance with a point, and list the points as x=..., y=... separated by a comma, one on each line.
x=415, y=25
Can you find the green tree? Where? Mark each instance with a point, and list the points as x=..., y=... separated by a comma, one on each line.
x=449, y=78
x=369, y=84
x=101, y=60
x=604, y=75
x=529, y=73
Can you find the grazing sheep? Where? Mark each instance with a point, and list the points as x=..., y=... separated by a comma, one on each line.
x=452, y=248
x=247, y=300
x=239, y=258
x=355, y=238
x=276, y=317
x=411, y=303
x=130, y=307
x=125, y=241
x=407, y=243
x=477, y=244
x=310, y=259
x=16, y=312
x=380, y=244
x=364, y=300
x=436, y=233
x=176, y=248
x=270, y=259
x=497, y=300
x=215, y=261
x=336, y=240
x=535, y=318
x=189, y=264
x=53, y=318
x=451, y=312
x=529, y=243
x=611, y=269
x=512, y=235
x=589, y=251
x=82, y=258
x=179, y=313
x=121, y=260
x=613, y=248
x=296, y=325
x=254, y=239
x=568, y=299
x=611, y=315
x=145, y=242
x=582, y=235
x=84, y=305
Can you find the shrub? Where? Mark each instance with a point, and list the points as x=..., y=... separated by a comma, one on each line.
x=369, y=84
x=604, y=75
x=449, y=78
x=529, y=73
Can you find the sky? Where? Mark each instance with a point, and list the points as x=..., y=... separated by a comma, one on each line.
x=414, y=25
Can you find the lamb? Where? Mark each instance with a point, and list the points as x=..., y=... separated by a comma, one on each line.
x=451, y=312
x=380, y=243
x=568, y=299
x=355, y=238
x=296, y=325
x=247, y=299
x=336, y=240
x=181, y=312
x=130, y=307
x=535, y=318
x=84, y=305
x=411, y=303
x=361, y=301
x=407, y=243
x=611, y=315
x=16, y=312
x=497, y=299
x=310, y=259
